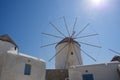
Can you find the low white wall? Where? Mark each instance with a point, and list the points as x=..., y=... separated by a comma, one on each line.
x=14, y=65
x=99, y=71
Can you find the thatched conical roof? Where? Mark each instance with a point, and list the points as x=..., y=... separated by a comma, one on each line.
x=67, y=39
x=7, y=39
x=116, y=58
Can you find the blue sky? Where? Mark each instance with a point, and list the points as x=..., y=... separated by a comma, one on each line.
x=25, y=20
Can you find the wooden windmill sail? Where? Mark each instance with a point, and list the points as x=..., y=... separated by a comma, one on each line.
x=68, y=50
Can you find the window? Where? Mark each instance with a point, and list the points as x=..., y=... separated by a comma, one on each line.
x=88, y=77
x=27, y=70
x=15, y=48
x=71, y=53
x=67, y=79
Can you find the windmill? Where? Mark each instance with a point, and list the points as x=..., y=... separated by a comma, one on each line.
x=68, y=50
x=117, y=57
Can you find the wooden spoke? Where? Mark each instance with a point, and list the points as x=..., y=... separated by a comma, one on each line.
x=83, y=29
x=73, y=30
x=58, y=52
x=114, y=51
x=57, y=29
x=52, y=35
x=66, y=26
x=49, y=44
x=91, y=45
x=86, y=36
x=76, y=54
x=88, y=55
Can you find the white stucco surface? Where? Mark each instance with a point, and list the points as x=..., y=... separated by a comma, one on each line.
x=12, y=67
x=103, y=71
x=64, y=59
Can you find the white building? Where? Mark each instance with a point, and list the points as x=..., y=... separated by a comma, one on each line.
x=16, y=66
x=108, y=71
x=68, y=56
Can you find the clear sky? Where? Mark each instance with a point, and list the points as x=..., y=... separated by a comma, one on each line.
x=25, y=20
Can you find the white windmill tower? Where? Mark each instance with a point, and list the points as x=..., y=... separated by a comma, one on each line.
x=7, y=44
x=68, y=50
x=70, y=54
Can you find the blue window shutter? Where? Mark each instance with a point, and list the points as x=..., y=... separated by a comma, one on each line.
x=88, y=77
x=27, y=70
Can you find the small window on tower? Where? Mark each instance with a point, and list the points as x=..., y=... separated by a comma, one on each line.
x=71, y=53
x=27, y=70
x=15, y=48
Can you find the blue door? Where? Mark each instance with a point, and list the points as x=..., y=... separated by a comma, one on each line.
x=88, y=77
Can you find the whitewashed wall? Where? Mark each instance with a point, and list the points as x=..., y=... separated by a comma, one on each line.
x=100, y=71
x=13, y=66
x=61, y=61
